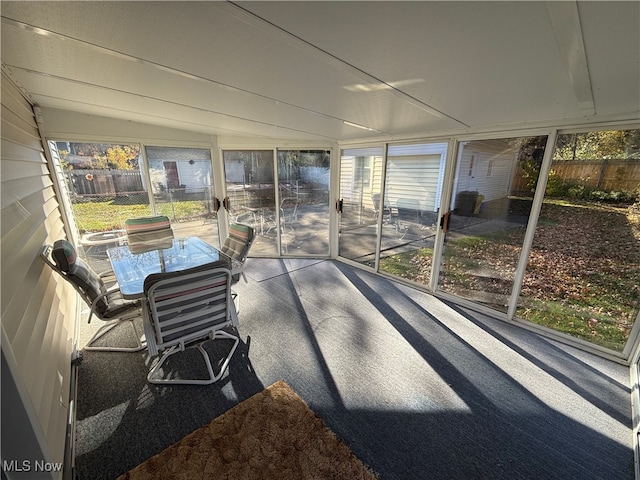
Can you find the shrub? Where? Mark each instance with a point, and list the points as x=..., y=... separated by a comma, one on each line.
x=556, y=186
x=619, y=196
x=559, y=188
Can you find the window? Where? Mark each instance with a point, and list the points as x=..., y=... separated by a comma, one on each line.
x=583, y=274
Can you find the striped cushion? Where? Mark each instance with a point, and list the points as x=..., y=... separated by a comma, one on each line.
x=64, y=255
x=238, y=242
x=80, y=273
x=234, y=248
x=147, y=224
x=144, y=242
x=149, y=233
x=242, y=233
x=90, y=283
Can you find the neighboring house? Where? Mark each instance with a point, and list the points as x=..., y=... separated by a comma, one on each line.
x=415, y=175
x=187, y=170
x=485, y=169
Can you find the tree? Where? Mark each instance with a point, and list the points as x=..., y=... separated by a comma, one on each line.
x=123, y=157
x=530, y=154
x=607, y=144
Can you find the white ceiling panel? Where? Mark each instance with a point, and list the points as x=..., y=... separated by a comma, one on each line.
x=329, y=70
x=88, y=99
x=612, y=41
x=480, y=62
x=147, y=81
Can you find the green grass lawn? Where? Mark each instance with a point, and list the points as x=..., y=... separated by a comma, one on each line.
x=110, y=215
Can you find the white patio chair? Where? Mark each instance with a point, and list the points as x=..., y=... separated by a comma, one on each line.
x=187, y=309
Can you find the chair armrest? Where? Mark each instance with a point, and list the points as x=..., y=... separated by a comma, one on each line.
x=109, y=277
x=95, y=301
x=243, y=216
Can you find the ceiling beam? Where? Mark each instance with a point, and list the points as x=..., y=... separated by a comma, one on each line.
x=565, y=22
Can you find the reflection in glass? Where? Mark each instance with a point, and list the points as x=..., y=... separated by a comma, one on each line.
x=303, y=189
x=490, y=206
x=413, y=185
x=583, y=275
x=182, y=187
x=360, y=186
x=251, y=192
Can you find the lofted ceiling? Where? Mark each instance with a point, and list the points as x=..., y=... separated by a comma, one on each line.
x=344, y=71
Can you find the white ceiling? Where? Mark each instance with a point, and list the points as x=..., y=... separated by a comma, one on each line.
x=310, y=70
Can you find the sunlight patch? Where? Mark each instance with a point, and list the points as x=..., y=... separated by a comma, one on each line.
x=93, y=431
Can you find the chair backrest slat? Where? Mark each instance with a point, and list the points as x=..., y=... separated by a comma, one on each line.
x=189, y=304
x=185, y=326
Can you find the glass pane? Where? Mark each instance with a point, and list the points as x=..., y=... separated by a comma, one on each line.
x=583, y=275
x=106, y=188
x=304, y=201
x=409, y=213
x=490, y=207
x=360, y=183
x=182, y=187
x=251, y=191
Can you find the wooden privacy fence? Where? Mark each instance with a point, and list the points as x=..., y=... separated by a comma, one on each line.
x=105, y=182
x=607, y=175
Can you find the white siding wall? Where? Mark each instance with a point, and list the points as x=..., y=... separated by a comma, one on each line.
x=349, y=191
x=38, y=309
x=376, y=176
x=492, y=174
x=346, y=179
x=485, y=170
x=414, y=182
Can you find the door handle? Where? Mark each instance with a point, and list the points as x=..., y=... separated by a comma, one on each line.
x=226, y=203
x=444, y=222
x=216, y=204
x=339, y=204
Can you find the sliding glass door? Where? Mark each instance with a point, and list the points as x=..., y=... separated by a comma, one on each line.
x=360, y=189
x=182, y=187
x=393, y=228
x=412, y=190
x=291, y=214
x=303, y=196
x=251, y=195
x=490, y=206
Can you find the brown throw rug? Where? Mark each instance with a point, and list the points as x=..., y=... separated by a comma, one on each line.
x=272, y=435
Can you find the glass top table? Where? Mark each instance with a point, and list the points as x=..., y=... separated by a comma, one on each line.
x=131, y=269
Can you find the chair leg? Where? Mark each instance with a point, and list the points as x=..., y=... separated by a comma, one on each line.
x=107, y=327
x=235, y=309
x=151, y=377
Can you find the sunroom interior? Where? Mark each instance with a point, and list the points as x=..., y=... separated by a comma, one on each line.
x=482, y=155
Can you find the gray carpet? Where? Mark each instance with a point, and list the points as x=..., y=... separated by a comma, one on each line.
x=417, y=388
